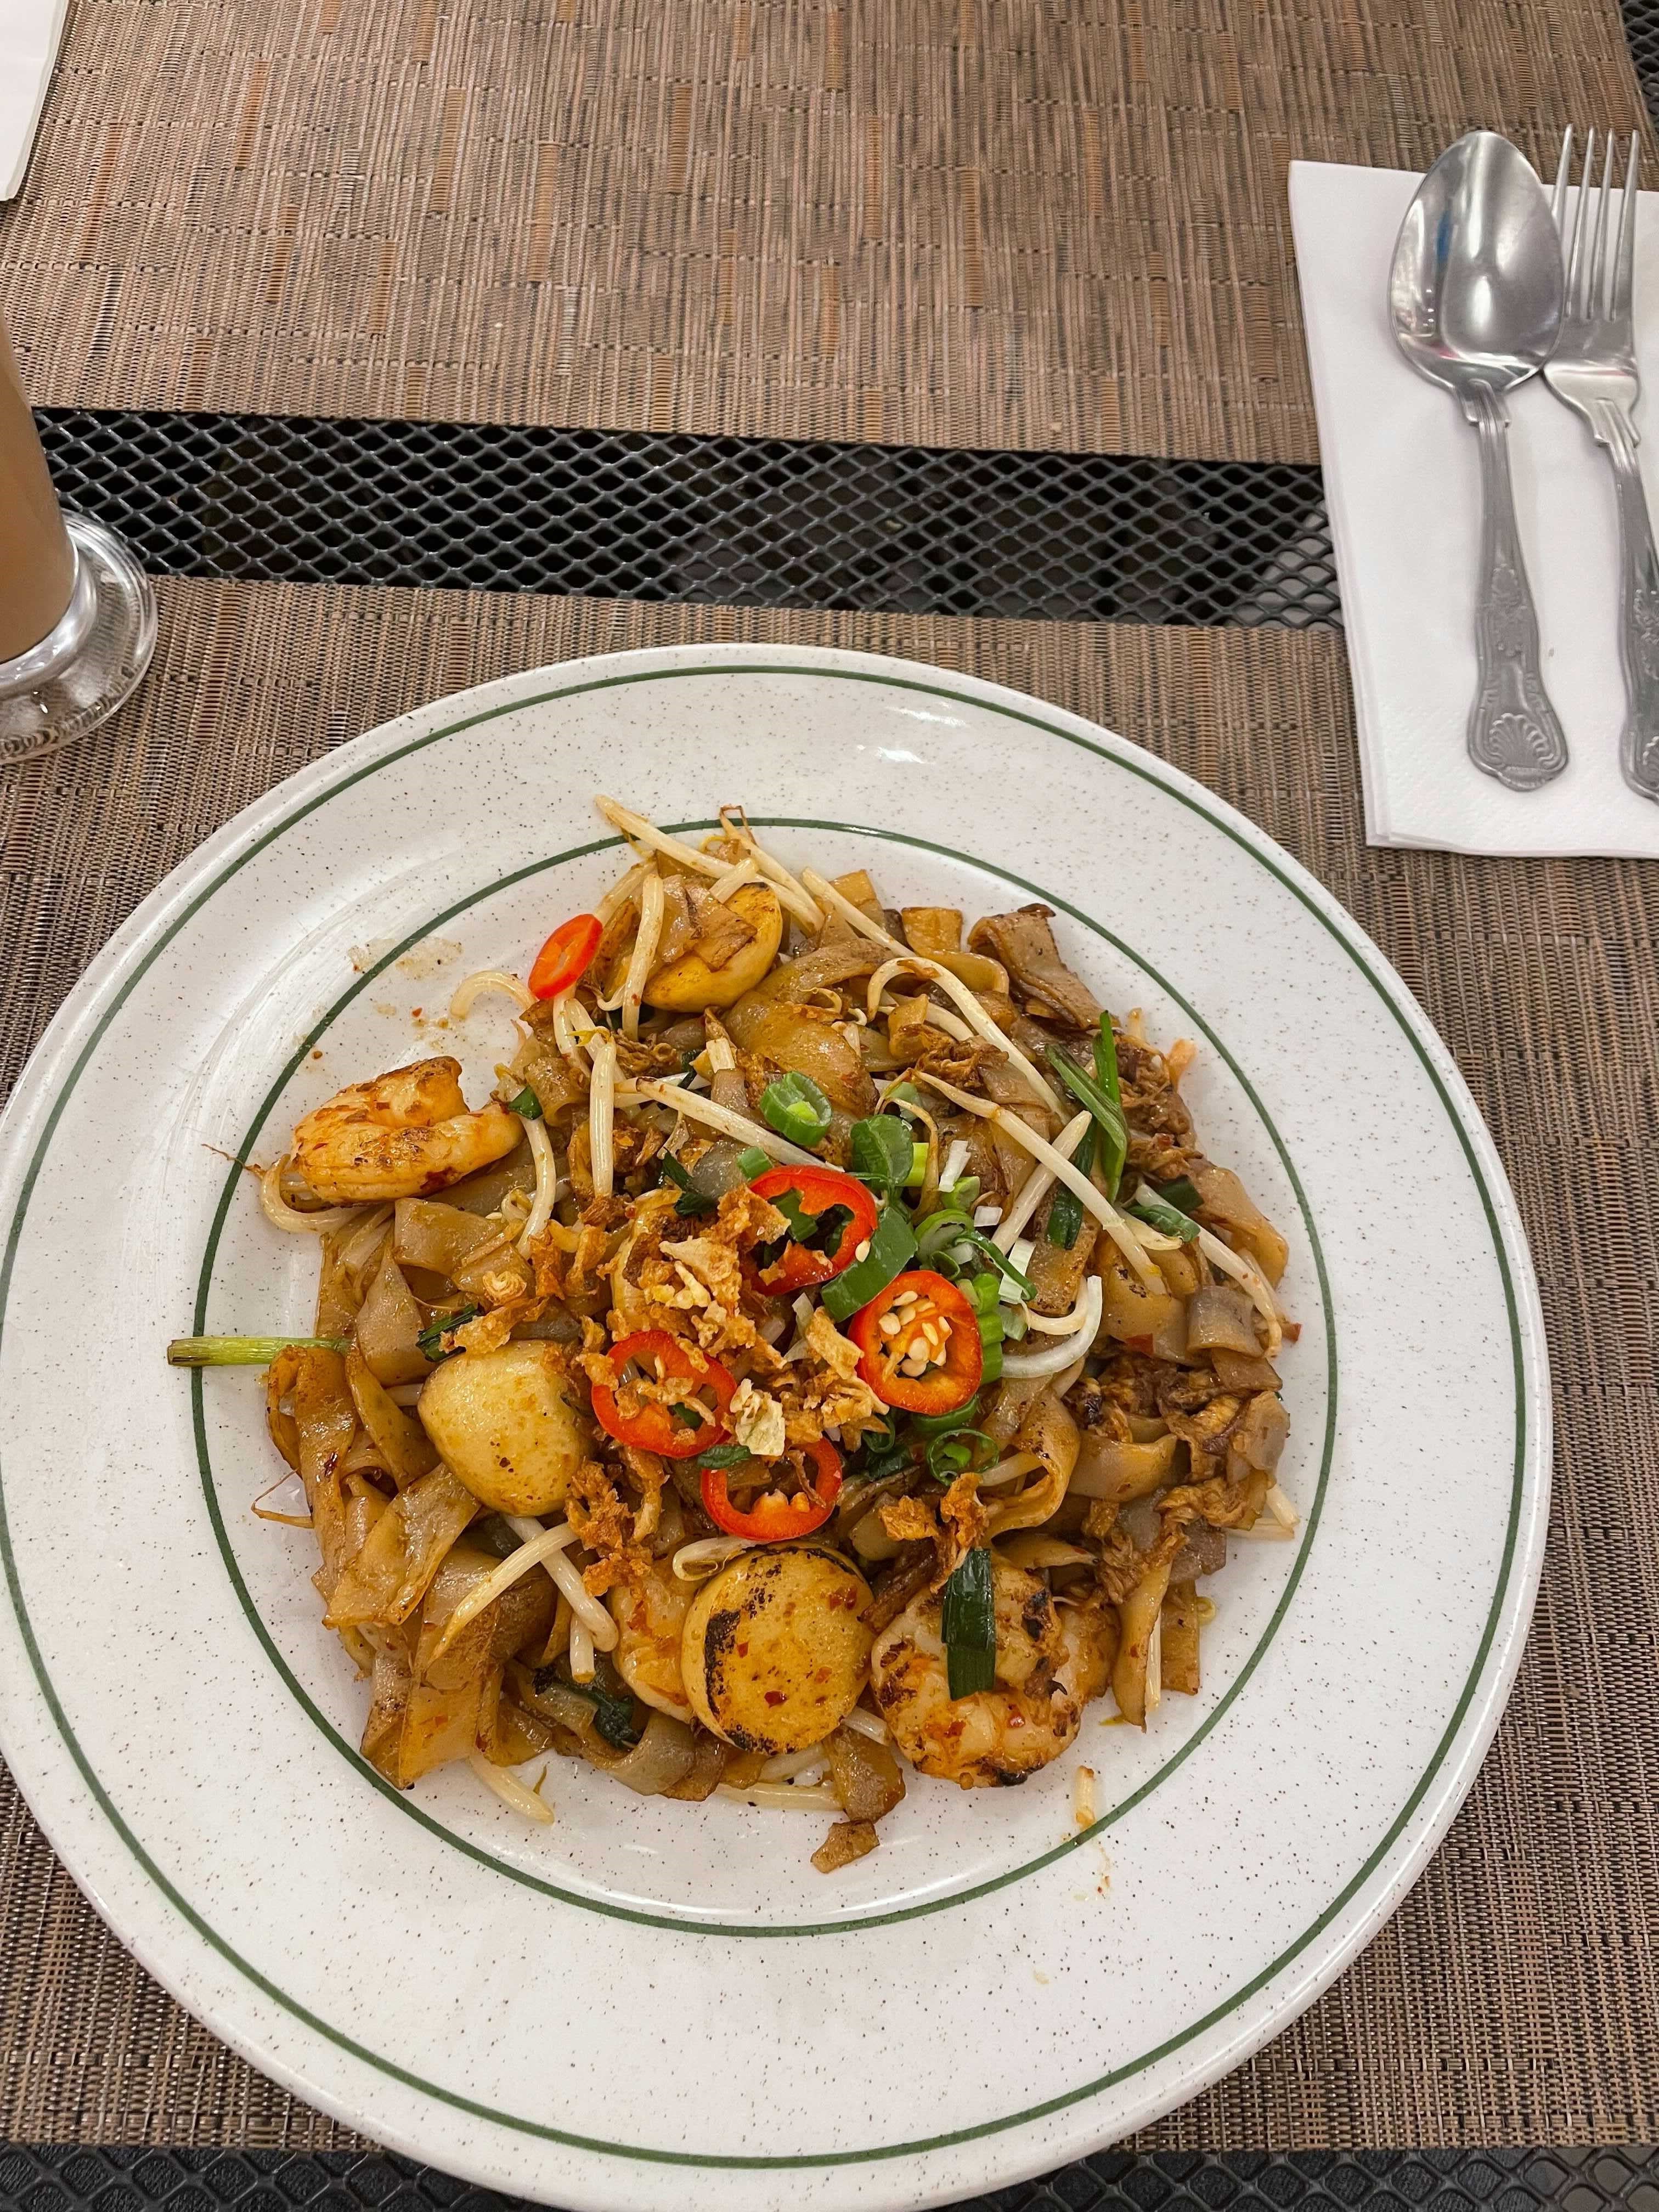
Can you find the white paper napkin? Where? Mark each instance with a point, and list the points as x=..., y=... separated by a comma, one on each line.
x=1403, y=475
x=30, y=32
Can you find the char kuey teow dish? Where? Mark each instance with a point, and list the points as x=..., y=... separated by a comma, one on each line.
x=829, y=1353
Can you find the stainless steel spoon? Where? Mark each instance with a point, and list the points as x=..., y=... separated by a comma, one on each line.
x=1475, y=297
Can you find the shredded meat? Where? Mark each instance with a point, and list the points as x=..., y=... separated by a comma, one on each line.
x=1199, y=1408
x=648, y=1056
x=955, y=1061
x=954, y=1526
x=1220, y=1503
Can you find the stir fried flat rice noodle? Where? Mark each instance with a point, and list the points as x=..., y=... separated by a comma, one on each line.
x=830, y=1355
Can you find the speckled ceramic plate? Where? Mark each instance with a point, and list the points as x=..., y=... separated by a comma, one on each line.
x=651, y=2005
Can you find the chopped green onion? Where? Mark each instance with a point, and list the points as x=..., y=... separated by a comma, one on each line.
x=986, y=1293
x=962, y=1195
x=722, y=1455
x=690, y=1200
x=244, y=1351
x=753, y=1162
x=431, y=1338
x=892, y=1248
x=1158, y=1214
x=967, y=1624
x=882, y=1152
x=1066, y=1209
x=795, y=1106
x=916, y=1173
x=526, y=1105
x=959, y=1451
x=1107, y=1108
x=902, y=1094
x=942, y=1425
x=1182, y=1193
x=951, y=1233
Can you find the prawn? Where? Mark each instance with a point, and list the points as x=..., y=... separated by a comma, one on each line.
x=404, y=1136
x=1001, y=1735
x=650, y=1615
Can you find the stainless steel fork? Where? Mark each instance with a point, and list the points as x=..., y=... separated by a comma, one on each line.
x=1593, y=369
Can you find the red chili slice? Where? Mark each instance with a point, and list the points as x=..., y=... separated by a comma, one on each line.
x=776, y=1515
x=649, y=1423
x=562, y=961
x=935, y=1321
x=797, y=1266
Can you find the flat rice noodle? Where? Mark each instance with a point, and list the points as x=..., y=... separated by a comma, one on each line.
x=1128, y=1311
x=280, y=1378
x=364, y=1504
x=1049, y=1431
x=517, y=1734
x=391, y=1574
x=1220, y=1317
x=847, y=1841
x=708, y=1759
x=440, y=1725
x=324, y=1422
x=1237, y=1373
x=437, y=1237
x=556, y=1082
x=786, y=1036
x=1056, y=1270
x=520, y=1616
x=339, y=1290
x=931, y=930
x=1180, y=1643
x=495, y=1271
x=393, y=1679
x=794, y=982
x=389, y=1322
x=1107, y=1468
x=868, y=1778
x=1226, y=1199
x=1137, y=1616
x=1009, y=1405
x=1260, y=1438
x=482, y=1193
x=405, y=1448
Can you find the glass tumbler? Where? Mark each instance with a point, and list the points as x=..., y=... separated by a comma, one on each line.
x=77, y=616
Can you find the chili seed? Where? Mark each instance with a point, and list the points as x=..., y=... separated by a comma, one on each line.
x=890, y=1324
x=863, y=1250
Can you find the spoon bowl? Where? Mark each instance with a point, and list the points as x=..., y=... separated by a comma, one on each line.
x=1476, y=292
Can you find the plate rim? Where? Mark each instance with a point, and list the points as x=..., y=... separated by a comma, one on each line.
x=86, y=1814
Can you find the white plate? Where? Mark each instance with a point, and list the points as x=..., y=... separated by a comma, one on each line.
x=584, y=2012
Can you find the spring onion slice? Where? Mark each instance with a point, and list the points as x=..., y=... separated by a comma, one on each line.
x=892, y=1248
x=1157, y=1213
x=244, y=1351
x=696, y=1108
x=1107, y=1110
x=796, y=1107
x=1108, y=1216
x=1066, y=1215
x=753, y=1162
x=1184, y=1194
x=882, y=1152
x=968, y=1623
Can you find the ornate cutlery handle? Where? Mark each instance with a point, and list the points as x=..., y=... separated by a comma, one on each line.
x=1514, y=734
x=1639, y=622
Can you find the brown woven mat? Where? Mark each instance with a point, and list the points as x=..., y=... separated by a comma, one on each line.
x=1515, y=1997
x=976, y=222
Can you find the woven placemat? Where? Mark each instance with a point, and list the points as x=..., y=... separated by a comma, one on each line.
x=1514, y=1997
x=973, y=222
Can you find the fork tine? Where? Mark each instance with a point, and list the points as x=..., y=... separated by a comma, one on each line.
x=1562, y=178
x=1596, y=290
x=1576, y=309
x=1624, y=260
